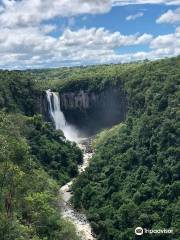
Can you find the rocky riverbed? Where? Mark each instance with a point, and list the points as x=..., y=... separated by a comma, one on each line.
x=80, y=221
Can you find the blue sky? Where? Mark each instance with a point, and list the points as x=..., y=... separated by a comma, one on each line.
x=44, y=33
x=115, y=20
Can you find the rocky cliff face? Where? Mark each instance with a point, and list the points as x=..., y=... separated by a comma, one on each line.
x=42, y=106
x=89, y=111
x=79, y=100
x=92, y=111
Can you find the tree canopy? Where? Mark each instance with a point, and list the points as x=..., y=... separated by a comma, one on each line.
x=133, y=179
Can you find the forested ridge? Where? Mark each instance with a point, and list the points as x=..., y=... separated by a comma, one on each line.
x=34, y=161
x=17, y=92
x=133, y=179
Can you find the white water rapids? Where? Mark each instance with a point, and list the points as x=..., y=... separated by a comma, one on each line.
x=79, y=220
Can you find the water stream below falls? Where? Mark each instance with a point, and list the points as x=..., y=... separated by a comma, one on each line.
x=80, y=221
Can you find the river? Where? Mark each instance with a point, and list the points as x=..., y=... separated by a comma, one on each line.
x=79, y=220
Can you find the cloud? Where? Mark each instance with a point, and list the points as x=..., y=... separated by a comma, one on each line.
x=86, y=47
x=26, y=40
x=21, y=13
x=170, y=17
x=48, y=28
x=99, y=37
x=135, y=16
x=170, y=42
x=32, y=46
x=128, y=2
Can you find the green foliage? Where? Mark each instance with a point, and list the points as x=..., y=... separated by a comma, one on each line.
x=91, y=78
x=133, y=179
x=17, y=92
x=58, y=156
x=28, y=195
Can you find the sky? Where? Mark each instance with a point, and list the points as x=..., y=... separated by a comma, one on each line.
x=56, y=33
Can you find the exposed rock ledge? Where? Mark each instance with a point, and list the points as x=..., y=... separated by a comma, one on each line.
x=92, y=111
x=80, y=100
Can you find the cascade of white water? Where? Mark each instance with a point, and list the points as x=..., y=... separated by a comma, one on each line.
x=58, y=117
x=55, y=110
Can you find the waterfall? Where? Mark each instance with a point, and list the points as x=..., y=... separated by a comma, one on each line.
x=55, y=110
x=58, y=117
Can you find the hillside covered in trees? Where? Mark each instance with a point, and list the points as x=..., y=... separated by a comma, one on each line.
x=133, y=179
x=34, y=161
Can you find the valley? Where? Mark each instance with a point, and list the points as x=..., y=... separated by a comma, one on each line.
x=90, y=152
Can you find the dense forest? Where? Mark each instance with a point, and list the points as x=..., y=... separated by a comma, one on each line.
x=90, y=78
x=133, y=178
x=34, y=161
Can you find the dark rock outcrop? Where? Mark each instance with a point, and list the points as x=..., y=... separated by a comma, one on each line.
x=42, y=106
x=90, y=111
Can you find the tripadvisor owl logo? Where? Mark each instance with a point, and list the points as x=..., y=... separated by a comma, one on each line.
x=139, y=231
